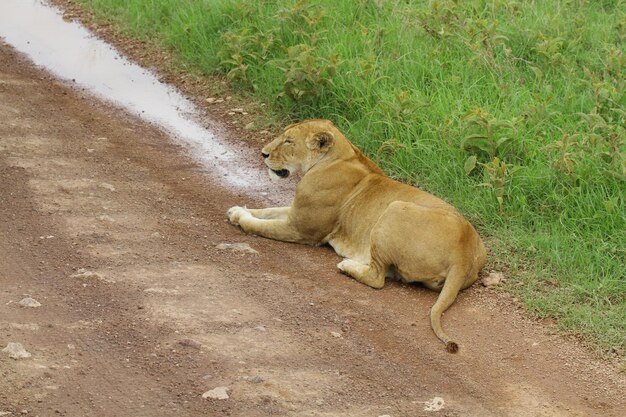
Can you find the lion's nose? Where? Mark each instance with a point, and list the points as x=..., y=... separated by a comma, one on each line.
x=265, y=155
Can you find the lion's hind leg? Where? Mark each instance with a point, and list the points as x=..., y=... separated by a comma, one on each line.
x=372, y=275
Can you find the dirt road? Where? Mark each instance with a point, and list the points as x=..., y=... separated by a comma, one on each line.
x=116, y=232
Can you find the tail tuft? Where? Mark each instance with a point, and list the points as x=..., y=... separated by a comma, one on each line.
x=452, y=347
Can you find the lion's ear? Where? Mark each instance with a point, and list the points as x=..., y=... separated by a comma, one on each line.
x=321, y=140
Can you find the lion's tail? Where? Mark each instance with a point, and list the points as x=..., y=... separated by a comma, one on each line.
x=455, y=281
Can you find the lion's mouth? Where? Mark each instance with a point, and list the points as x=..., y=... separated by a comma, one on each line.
x=283, y=173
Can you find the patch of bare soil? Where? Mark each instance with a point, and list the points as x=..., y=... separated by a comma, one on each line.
x=150, y=299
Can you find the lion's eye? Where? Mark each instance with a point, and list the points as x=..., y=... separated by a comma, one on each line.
x=288, y=142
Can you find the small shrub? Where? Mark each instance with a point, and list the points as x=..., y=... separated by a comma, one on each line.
x=306, y=74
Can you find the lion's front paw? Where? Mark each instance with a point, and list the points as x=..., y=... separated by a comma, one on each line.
x=235, y=213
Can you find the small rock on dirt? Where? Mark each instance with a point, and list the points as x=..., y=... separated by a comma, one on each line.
x=29, y=302
x=260, y=328
x=236, y=247
x=16, y=351
x=335, y=334
x=107, y=186
x=84, y=273
x=257, y=379
x=218, y=393
x=436, y=404
x=190, y=343
x=493, y=279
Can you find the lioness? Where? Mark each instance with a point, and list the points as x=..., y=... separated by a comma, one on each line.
x=381, y=226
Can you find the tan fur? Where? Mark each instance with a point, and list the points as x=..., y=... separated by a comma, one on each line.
x=381, y=226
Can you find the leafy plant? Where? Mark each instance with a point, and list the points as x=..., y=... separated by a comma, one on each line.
x=483, y=38
x=306, y=73
x=304, y=19
x=233, y=53
x=549, y=50
x=497, y=176
x=488, y=138
x=607, y=140
x=440, y=20
x=567, y=153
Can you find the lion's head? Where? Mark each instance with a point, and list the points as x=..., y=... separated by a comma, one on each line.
x=299, y=147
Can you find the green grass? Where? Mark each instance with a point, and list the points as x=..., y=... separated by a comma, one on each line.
x=514, y=111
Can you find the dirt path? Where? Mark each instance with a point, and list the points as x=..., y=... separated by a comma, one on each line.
x=115, y=231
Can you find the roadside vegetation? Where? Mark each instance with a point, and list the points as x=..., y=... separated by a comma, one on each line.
x=513, y=111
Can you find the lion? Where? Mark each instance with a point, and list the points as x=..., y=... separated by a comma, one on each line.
x=381, y=227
